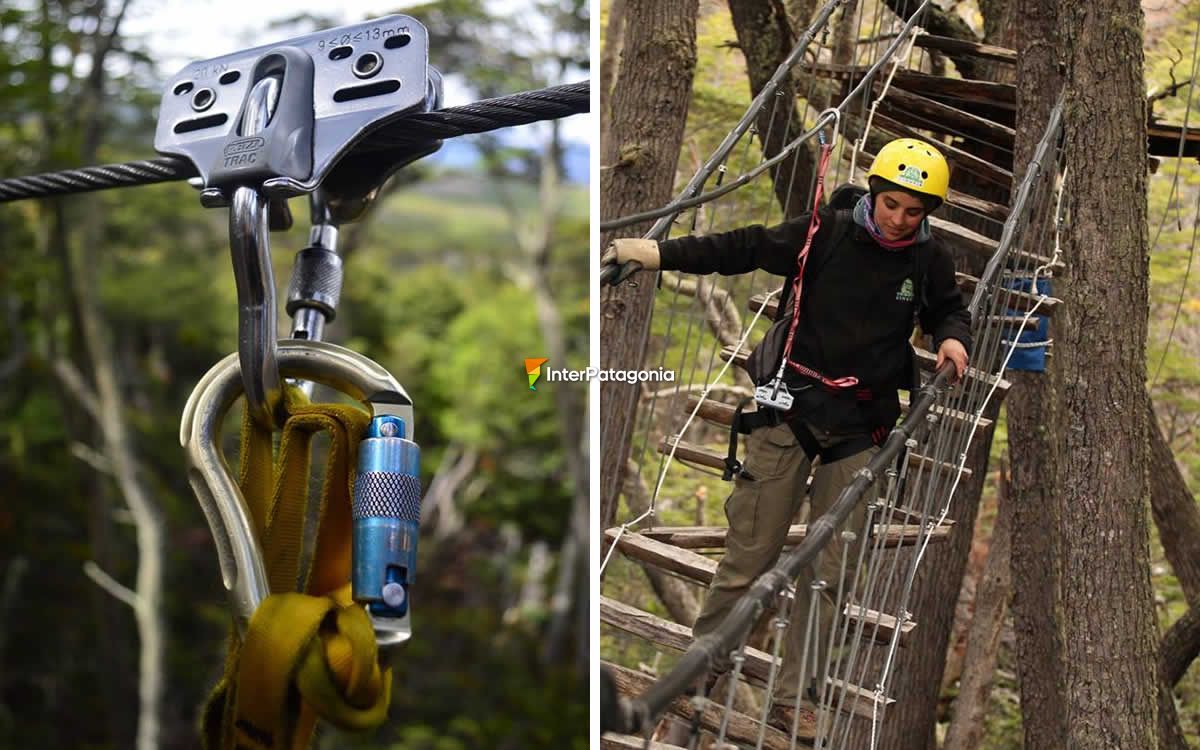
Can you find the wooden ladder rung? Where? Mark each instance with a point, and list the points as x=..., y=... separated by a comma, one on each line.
x=713, y=537
x=886, y=624
x=1022, y=301
x=694, y=454
x=669, y=557
x=859, y=700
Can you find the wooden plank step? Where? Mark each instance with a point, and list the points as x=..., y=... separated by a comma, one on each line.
x=1022, y=301
x=756, y=668
x=713, y=537
x=771, y=310
x=986, y=247
x=692, y=453
x=961, y=47
x=989, y=93
x=926, y=360
x=629, y=742
x=859, y=700
x=719, y=413
x=937, y=117
x=984, y=422
x=741, y=729
x=673, y=558
x=908, y=515
x=887, y=624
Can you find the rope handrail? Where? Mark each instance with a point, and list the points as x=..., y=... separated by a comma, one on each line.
x=482, y=116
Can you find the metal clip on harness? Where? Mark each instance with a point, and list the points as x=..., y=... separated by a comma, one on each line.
x=238, y=546
x=261, y=126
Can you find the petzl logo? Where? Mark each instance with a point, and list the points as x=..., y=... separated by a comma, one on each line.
x=533, y=367
x=244, y=145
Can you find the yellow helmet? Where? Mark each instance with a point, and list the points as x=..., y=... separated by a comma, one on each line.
x=913, y=165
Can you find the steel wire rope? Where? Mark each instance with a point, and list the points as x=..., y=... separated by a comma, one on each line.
x=522, y=108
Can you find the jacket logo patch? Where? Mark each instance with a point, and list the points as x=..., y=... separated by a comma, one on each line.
x=906, y=291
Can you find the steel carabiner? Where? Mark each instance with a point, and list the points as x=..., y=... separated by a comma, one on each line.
x=239, y=550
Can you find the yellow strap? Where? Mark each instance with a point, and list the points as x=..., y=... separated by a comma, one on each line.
x=303, y=655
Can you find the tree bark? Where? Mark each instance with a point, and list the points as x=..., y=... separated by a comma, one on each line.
x=1032, y=442
x=983, y=641
x=1099, y=372
x=649, y=109
x=765, y=37
x=610, y=53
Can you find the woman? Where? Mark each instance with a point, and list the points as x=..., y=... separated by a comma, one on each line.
x=838, y=352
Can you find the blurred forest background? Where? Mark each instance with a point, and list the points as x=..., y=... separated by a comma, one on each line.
x=720, y=95
x=115, y=303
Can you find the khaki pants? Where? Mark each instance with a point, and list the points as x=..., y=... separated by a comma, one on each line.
x=759, y=513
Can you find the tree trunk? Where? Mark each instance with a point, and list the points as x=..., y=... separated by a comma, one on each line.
x=1099, y=374
x=1000, y=29
x=765, y=37
x=610, y=53
x=1032, y=443
x=648, y=112
x=983, y=642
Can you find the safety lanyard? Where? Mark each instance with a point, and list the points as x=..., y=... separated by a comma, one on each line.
x=305, y=655
x=814, y=225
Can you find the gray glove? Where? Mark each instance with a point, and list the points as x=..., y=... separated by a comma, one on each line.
x=628, y=249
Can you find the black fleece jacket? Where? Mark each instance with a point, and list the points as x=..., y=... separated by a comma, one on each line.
x=858, y=305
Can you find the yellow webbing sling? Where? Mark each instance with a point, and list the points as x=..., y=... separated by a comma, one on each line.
x=304, y=655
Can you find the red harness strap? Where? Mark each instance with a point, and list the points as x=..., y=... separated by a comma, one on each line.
x=798, y=283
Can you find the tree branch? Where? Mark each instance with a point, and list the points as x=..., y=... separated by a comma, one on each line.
x=110, y=584
x=73, y=381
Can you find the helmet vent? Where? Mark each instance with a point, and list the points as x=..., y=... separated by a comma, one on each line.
x=900, y=168
x=924, y=175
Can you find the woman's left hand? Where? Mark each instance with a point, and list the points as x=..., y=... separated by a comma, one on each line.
x=953, y=350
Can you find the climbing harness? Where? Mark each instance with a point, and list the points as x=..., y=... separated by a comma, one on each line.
x=774, y=398
x=313, y=629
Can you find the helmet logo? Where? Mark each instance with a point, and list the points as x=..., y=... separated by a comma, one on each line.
x=911, y=176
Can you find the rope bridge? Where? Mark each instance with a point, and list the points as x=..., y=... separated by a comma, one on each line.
x=933, y=454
